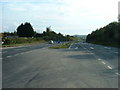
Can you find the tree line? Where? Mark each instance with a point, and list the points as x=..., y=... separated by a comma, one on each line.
x=107, y=35
x=26, y=30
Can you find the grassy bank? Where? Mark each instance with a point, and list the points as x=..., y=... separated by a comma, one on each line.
x=63, y=45
x=11, y=42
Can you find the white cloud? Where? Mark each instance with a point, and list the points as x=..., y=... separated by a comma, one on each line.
x=76, y=15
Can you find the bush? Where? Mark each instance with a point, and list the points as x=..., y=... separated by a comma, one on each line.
x=20, y=40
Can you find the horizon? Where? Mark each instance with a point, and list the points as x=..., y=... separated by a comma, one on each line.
x=72, y=17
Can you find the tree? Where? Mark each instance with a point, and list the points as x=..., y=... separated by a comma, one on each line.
x=25, y=30
x=108, y=35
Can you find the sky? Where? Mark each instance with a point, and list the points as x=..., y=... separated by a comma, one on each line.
x=64, y=16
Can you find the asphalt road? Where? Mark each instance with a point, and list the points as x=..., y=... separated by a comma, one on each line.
x=82, y=65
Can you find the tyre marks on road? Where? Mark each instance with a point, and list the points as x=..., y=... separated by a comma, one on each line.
x=18, y=54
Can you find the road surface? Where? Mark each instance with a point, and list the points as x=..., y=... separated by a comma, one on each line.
x=82, y=65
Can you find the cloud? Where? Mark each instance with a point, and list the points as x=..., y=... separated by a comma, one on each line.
x=64, y=15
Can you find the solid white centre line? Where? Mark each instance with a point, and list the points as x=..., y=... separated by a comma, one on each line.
x=103, y=62
x=109, y=67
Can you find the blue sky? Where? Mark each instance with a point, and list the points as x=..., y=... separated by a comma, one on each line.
x=65, y=16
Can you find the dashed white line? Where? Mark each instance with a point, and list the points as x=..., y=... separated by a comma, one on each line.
x=76, y=48
x=99, y=59
x=9, y=56
x=21, y=53
x=31, y=51
x=107, y=47
x=91, y=48
x=117, y=73
x=103, y=62
x=109, y=67
x=16, y=54
x=70, y=46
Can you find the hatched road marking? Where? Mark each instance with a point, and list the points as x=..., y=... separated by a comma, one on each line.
x=76, y=48
x=109, y=67
x=91, y=48
x=103, y=62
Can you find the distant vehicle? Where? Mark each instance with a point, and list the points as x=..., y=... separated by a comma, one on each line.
x=2, y=42
x=51, y=42
x=58, y=41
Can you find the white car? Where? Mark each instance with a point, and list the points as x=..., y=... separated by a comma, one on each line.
x=51, y=42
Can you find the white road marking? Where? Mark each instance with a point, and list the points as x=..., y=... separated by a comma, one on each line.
x=21, y=53
x=109, y=67
x=70, y=46
x=91, y=48
x=16, y=54
x=117, y=73
x=9, y=56
x=76, y=48
x=26, y=52
x=91, y=53
x=99, y=59
x=103, y=62
x=107, y=47
x=31, y=51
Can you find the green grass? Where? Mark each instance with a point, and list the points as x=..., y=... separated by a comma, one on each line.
x=62, y=45
x=23, y=44
x=14, y=42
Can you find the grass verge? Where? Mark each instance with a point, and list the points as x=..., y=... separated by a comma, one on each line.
x=24, y=44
